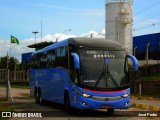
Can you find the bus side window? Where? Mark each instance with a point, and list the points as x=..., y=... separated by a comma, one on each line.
x=51, y=59
x=58, y=57
x=37, y=61
x=33, y=62
x=64, y=57
x=43, y=60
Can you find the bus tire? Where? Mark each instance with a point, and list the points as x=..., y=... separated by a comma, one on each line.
x=38, y=96
x=110, y=111
x=67, y=102
x=35, y=92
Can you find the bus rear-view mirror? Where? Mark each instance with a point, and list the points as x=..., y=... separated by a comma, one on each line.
x=76, y=60
x=134, y=61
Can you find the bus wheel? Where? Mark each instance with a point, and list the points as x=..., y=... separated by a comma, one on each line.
x=67, y=103
x=38, y=98
x=110, y=111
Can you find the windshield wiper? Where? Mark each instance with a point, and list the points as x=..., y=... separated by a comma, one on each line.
x=112, y=78
x=107, y=74
x=99, y=79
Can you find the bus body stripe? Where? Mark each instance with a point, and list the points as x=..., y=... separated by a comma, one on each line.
x=109, y=92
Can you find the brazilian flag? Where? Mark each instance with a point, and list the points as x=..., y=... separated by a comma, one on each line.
x=14, y=40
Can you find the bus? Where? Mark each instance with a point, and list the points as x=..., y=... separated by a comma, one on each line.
x=83, y=73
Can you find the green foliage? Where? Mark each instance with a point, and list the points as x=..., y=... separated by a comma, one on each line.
x=13, y=63
x=6, y=108
x=3, y=62
x=16, y=86
x=150, y=78
x=24, y=66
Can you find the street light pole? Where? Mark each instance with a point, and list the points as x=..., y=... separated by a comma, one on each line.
x=147, y=52
x=35, y=32
x=62, y=34
x=135, y=51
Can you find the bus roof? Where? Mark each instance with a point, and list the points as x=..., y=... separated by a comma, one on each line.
x=85, y=42
x=97, y=43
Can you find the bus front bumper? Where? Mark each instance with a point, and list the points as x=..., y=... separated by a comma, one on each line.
x=89, y=103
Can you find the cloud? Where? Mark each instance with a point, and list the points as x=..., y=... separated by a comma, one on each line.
x=53, y=38
x=94, y=34
x=18, y=50
x=4, y=46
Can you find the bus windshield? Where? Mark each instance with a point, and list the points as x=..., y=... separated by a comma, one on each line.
x=103, y=69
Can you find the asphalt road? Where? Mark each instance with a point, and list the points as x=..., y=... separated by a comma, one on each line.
x=24, y=104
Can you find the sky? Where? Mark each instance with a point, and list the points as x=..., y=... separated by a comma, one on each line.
x=21, y=17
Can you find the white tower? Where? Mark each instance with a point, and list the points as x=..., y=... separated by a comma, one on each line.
x=118, y=23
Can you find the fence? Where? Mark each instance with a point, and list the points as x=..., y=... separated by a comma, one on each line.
x=147, y=87
x=15, y=76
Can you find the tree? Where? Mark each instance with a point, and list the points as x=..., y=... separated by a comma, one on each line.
x=24, y=66
x=13, y=62
x=3, y=62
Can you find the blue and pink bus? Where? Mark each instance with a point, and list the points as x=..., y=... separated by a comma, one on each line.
x=84, y=73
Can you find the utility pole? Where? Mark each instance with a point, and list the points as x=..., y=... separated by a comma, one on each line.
x=135, y=51
x=147, y=52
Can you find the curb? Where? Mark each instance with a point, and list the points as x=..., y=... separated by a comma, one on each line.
x=143, y=106
x=154, y=108
x=146, y=107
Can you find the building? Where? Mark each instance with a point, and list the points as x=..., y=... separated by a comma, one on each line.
x=118, y=22
x=26, y=57
x=146, y=48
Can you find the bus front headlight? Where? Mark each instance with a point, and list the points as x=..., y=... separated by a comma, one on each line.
x=125, y=95
x=85, y=95
x=82, y=94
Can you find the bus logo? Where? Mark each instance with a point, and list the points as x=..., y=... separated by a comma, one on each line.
x=106, y=99
x=107, y=60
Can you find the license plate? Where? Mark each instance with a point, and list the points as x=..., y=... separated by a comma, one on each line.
x=105, y=106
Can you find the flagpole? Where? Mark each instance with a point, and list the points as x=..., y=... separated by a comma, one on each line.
x=10, y=49
x=9, y=94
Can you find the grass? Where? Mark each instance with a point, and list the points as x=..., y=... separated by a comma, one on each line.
x=5, y=107
x=145, y=97
x=16, y=86
x=150, y=78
